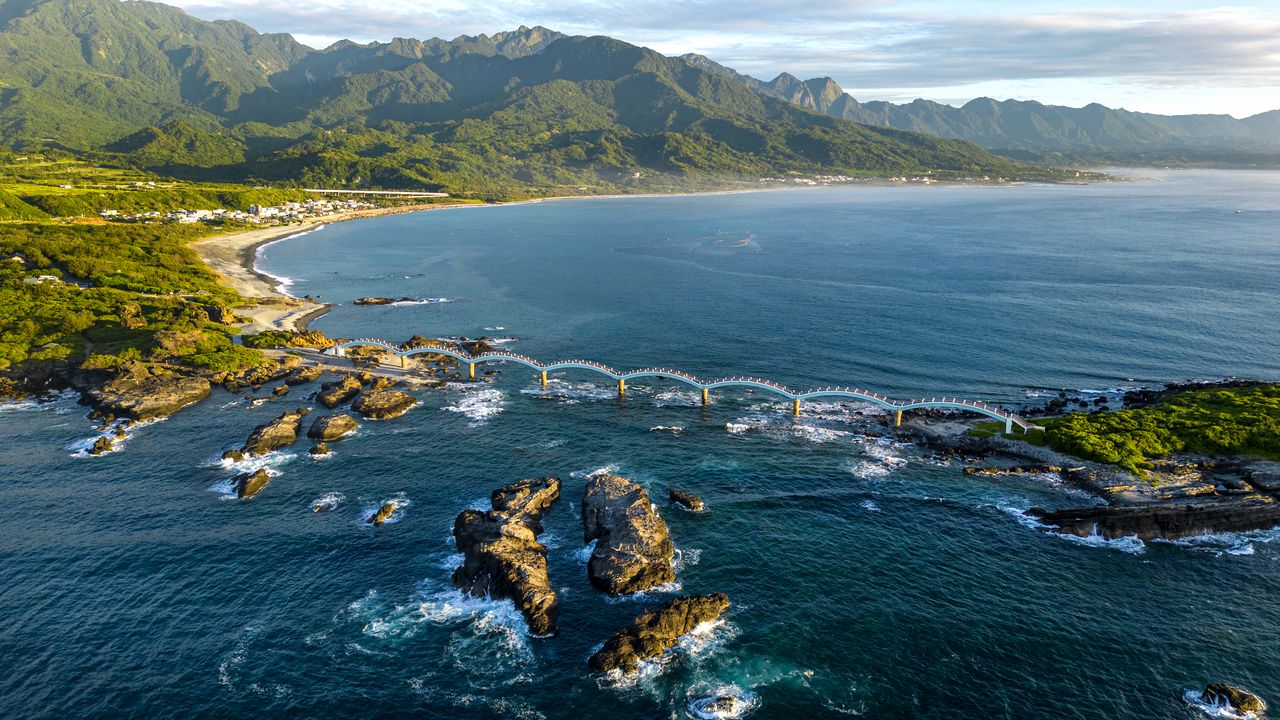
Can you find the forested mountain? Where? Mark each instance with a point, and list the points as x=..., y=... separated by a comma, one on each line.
x=520, y=112
x=1013, y=125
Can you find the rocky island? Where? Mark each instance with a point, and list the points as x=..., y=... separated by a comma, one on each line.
x=502, y=555
x=633, y=549
x=653, y=632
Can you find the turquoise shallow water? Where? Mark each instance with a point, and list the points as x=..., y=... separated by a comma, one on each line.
x=866, y=578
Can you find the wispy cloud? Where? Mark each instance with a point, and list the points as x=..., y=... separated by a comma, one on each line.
x=890, y=45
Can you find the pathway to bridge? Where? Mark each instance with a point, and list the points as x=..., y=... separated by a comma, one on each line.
x=897, y=407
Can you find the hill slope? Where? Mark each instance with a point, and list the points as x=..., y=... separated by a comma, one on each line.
x=525, y=112
x=1013, y=125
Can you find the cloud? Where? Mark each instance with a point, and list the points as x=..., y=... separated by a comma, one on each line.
x=864, y=44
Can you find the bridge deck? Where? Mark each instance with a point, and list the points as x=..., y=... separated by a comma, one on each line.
x=874, y=398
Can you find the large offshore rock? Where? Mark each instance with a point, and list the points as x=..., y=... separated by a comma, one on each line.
x=502, y=555
x=653, y=632
x=633, y=549
x=1233, y=698
x=142, y=394
x=1172, y=520
x=383, y=404
x=250, y=484
x=279, y=433
x=686, y=499
x=384, y=513
x=333, y=394
x=332, y=427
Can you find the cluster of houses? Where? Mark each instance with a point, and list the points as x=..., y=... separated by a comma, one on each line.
x=257, y=214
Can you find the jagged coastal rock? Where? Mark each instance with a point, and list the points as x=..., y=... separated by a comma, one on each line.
x=332, y=427
x=333, y=394
x=653, y=632
x=383, y=514
x=307, y=374
x=687, y=500
x=374, y=300
x=320, y=448
x=257, y=376
x=503, y=558
x=279, y=433
x=102, y=446
x=383, y=404
x=633, y=548
x=1235, y=699
x=141, y=394
x=250, y=484
x=1148, y=522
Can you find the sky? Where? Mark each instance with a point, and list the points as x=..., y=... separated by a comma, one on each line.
x=1169, y=57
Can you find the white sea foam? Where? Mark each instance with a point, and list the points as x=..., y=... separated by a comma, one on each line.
x=870, y=506
x=423, y=301
x=42, y=402
x=686, y=557
x=399, y=500
x=1224, y=712
x=80, y=448
x=673, y=429
x=595, y=472
x=711, y=705
x=478, y=404
x=677, y=397
x=1131, y=544
x=327, y=502
x=282, y=283
x=583, y=554
x=1220, y=544
x=569, y=392
x=269, y=461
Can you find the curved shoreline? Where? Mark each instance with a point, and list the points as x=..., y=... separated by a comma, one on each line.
x=233, y=258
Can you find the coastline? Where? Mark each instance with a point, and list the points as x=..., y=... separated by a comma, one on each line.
x=233, y=258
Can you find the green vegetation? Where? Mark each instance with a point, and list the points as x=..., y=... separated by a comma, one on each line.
x=1218, y=421
x=528, y=113
x=125, y=292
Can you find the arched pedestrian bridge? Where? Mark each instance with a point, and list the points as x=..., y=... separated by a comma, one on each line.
x=706, y=386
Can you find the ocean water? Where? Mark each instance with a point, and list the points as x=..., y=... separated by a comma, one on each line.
x=867, y=578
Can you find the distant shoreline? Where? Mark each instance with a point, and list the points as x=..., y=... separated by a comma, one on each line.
x=233, y=256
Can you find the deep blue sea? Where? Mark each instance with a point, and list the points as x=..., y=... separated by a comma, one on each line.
x=866, y=578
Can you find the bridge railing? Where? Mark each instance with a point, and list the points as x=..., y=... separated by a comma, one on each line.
x=739, y=381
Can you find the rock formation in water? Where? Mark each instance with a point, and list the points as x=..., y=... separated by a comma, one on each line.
x=503, y=558
x=383, y=404
x=102, y=446
x=250, y=484
x=383, y=514
x=307, y=374
x=1175, y=520
x=633, y=548
x=333, y=394
x=320, y=448
x=332, y=427
x=653, y=632
x=1234, y=699
x=136, y=392
x=279, y=433
x=687, y=500
x=258, y=376
x=370, y=300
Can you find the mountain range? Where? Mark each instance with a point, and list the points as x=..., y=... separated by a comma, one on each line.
x=1025, y=125
x=526, y=112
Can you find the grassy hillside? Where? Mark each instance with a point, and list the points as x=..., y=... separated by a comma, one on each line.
x=531, y=112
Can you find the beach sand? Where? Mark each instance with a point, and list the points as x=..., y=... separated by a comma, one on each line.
x=232, y=257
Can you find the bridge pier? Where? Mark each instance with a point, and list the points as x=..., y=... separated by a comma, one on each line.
x=471, y=370
x=897, y=418
x=1008, y=426
x=622, y=387
x=404, y=361
x=340, y=352
x=795, y=407
x=544, y=378
x=704, y=396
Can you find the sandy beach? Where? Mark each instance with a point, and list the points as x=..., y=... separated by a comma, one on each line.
x=232, y=256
